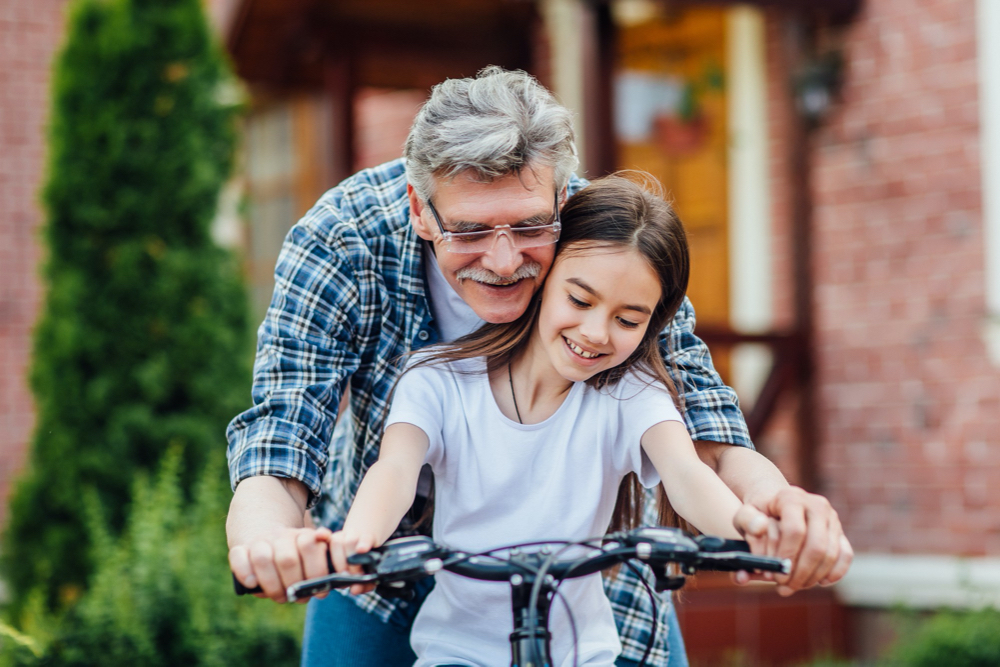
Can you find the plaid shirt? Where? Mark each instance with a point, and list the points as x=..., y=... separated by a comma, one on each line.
x=350, y=300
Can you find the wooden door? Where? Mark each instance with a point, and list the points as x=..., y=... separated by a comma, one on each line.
x=670, y=120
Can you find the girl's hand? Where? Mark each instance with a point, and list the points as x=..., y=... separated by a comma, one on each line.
x=762, y=533
x=342, y=545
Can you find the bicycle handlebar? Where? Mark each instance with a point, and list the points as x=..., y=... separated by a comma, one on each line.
x=403, y=560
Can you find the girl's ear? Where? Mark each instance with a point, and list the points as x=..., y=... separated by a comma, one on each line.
x=417, y=215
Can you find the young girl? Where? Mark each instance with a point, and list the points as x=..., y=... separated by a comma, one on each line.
x=530, y=428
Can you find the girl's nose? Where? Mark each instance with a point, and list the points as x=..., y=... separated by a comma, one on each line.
x=595, y=330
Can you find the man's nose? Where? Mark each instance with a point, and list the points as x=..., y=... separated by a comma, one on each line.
x=503, y=259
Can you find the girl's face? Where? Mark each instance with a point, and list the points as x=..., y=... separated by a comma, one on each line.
x=596, y=305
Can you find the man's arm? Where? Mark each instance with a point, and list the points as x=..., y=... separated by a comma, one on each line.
x=278, y=448
x=808, y=530
x=269, y=544
x=804, y=526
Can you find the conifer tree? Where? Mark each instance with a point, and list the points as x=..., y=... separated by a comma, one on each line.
x=142, y=343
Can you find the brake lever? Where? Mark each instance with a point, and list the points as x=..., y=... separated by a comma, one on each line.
x=311, y=587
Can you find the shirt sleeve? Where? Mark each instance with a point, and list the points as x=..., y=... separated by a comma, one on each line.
x=711, y=409
x=418, y=399
x=305, y=354
x=642, y=403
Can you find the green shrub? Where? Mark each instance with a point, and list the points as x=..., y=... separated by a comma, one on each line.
x=162, y=595
x=955, y=639
x=143, y=340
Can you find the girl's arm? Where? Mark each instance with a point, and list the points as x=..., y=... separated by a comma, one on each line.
x=385, y=494
x=694, y=490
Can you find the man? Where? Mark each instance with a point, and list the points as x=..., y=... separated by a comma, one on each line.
x=365, y=278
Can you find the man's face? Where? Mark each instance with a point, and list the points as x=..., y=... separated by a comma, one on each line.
x=497, y=284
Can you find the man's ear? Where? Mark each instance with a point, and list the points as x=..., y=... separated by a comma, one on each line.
x=422, y=229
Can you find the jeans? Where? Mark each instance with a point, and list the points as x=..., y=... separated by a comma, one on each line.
x=340, y=634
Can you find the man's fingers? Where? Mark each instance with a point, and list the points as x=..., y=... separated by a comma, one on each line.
x=262, y=561
x=830, y=554
x=289, y=561
x=812, y=553
x=844, y=558
x=791, y=519
x=239, y=563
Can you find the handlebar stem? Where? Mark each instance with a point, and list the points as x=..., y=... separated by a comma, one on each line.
x=530, y=643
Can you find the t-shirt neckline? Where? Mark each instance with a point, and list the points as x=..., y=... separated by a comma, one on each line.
x=513, y=423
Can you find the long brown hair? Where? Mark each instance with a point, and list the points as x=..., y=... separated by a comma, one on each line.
x=617, y=212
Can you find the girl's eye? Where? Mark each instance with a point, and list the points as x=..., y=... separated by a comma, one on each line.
x=576, y=302
x=627, y=324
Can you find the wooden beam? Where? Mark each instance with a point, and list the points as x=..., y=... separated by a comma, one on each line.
x=340, y=87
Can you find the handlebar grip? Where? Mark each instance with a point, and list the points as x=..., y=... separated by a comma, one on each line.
x=240, y=589
x=243, y=590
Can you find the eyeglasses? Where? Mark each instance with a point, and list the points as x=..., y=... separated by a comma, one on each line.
x=525, y=236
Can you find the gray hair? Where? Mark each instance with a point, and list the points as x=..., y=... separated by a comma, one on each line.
x=493, y=125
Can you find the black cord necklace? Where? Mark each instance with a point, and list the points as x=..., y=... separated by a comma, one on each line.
x=510, y=376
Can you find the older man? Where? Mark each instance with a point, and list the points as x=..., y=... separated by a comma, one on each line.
x=364, y=278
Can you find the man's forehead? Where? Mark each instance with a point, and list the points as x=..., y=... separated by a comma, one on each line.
x=530, y=178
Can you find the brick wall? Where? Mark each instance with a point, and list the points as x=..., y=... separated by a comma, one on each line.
x=382, y=121
x=30, y=33
x=909, y=399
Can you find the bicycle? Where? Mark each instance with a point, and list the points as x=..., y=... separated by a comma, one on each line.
x=535, y=576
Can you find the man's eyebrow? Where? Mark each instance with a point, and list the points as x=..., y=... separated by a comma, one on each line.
x=590, y=290
x=535, y=220
x=467, y=225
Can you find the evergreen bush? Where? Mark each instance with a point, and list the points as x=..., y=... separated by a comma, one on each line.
x=955, y=639
x=161, y=594
x=142, y=343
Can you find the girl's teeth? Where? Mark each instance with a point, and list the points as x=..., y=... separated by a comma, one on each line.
x=579, y=350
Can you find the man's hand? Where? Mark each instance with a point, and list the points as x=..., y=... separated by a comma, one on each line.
x=778, y=519
x=269, y=545
x=802, y=527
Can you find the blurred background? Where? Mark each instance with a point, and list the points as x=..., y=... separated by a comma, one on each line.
x=836, y=164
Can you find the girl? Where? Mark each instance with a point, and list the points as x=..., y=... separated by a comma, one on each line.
x=530, y=428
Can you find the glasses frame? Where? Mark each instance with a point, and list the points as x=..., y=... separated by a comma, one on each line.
x=448, y=237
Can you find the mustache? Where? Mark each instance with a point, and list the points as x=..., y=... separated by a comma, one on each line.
x=481, y=275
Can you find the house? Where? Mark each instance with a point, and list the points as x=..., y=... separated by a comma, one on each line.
x=837, y=165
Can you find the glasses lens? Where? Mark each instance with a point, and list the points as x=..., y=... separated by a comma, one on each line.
x=521, y=237
x=471, y=241
x=533, y=237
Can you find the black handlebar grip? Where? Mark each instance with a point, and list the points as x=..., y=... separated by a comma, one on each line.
x=243, y=590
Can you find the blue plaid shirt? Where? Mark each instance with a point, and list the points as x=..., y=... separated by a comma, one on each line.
x=350, y=299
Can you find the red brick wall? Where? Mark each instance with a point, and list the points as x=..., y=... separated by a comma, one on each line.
x=910, y=401
x=30, y=32
x=382, y=121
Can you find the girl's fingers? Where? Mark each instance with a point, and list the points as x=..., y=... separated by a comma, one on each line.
x=338, y=552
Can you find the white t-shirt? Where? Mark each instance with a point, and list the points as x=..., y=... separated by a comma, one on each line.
x=499, y=482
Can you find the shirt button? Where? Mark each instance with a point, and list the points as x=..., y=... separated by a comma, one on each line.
x=423, y=335
x=403, y=605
